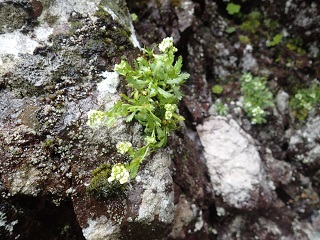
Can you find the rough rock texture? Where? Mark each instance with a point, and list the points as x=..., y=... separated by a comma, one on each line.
x=235, y=167
x=56, y=62
x=217, y=49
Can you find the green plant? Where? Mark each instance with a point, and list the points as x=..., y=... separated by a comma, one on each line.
x=296, y=44
x=275, y=40
x=244, y=39
x=257, y=97
x=304, y=101
x=233, y=8
x=221, y=108
x=217, y=89
x=134, y=17
x=154, y=84
x=251, y=22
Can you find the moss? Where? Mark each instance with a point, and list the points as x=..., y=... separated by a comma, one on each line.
x=100, y=186
x=50, y=19
x=48, y=143
x=12, y=17
x=175, y=3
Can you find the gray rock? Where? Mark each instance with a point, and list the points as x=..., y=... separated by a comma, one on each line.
x=50, y=79
x=282, y=100
x=235, y=168
x=303, y=144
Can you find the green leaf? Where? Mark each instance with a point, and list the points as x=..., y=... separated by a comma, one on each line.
x=230, y=29
x=180, y=79
x=178, y=65
x=134, y=168
x=164, y=93
x=233, y=8
x=217, y=89
x=275, y=40
x=130, y=117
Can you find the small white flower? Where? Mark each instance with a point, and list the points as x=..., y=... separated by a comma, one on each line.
x=257, y=111
x=168, y=115
x=166, y=44
x=120, y=173
x=170, y=107
x=123, y=147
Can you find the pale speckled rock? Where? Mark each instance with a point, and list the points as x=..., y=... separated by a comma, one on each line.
x=101, y=228
x=185, y=13
x=304, y=145
x=235, y=168
x=157, y=200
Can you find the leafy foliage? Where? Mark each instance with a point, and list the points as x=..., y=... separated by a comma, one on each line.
x=304, y=101
x=154, y=92
x=275, y=40
x=257, y=97
x=221, y=108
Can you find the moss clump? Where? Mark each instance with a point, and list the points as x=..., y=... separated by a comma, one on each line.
x=101, y=187
x=48, y=144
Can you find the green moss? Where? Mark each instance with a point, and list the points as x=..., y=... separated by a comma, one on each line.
x=175, y=3
x=101, y=187
x=48, y=143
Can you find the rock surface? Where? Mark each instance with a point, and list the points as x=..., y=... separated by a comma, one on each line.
x=56, y=64
x=235, y=167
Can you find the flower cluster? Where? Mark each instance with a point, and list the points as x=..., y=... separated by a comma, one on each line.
x=124, y=147
x=170, y=108
x=257, y=97
x=166, y=44
x=120, y=173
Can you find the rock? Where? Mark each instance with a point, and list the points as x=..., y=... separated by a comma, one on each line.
x=235, y=167
x=185, y=13
x=303, y=144
x=51, y=76
x=282, y=100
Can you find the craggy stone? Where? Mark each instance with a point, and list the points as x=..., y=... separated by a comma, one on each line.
x=304, y=144
x=235, y=168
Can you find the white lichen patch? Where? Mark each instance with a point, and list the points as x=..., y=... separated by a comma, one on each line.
x=26, y=181
x=158, y=195
x=16, y=43
x=101, y=228
x=61, y=9
x=8, y=226
x=109, y=84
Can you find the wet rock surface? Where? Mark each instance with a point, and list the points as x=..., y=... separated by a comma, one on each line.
x=219, y=178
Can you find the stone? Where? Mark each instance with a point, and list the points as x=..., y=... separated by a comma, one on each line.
x=235, y=167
